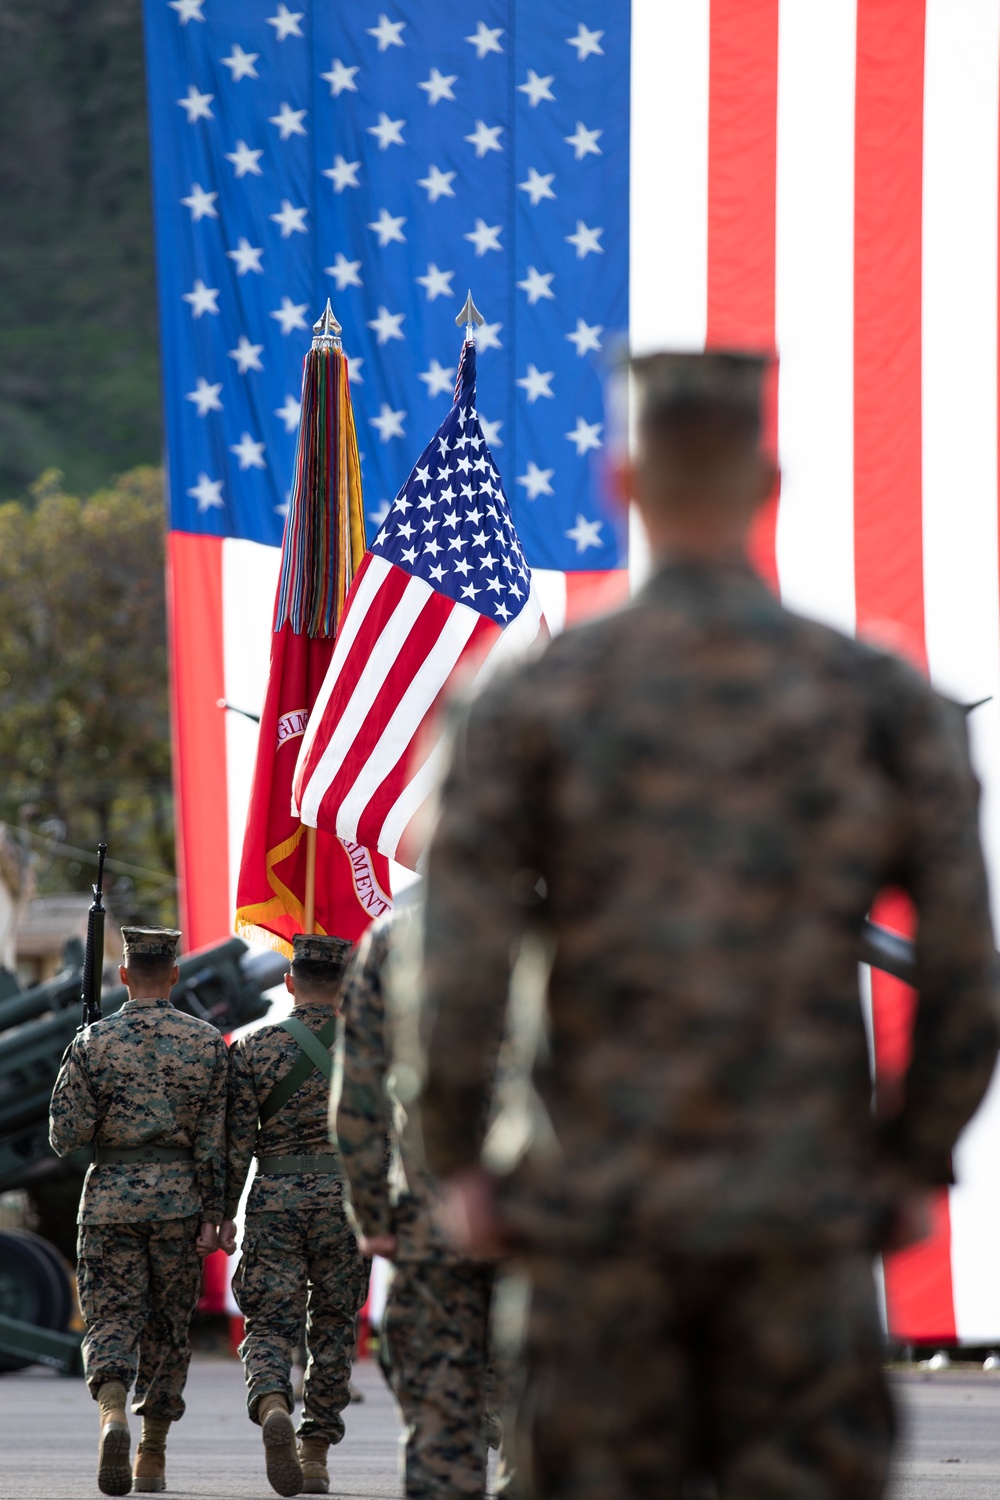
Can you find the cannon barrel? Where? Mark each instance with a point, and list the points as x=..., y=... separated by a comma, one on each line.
x=60, y=993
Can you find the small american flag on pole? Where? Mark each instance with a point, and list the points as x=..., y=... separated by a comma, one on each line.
x=443, y=594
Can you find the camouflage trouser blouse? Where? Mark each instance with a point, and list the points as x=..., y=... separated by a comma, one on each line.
x=763, y=1374
x=139, y=1285
x=436, y=1333
x=302, y=1262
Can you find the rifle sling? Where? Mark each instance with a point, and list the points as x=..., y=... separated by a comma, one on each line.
x=314, y=1050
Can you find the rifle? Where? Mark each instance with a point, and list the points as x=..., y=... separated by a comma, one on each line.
x=93, y=963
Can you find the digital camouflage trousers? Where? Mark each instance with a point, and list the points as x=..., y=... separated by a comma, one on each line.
x=762, y=1375
x=139, y=1285
x=301, y=1263
x=436, y=1338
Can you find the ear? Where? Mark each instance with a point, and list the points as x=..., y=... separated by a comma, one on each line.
x=123, y=973
x=175, y=974
x=290, y=984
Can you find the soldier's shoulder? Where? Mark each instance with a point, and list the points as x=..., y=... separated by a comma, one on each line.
x=871, y=666
x=196, y=1026
x=261, y=1039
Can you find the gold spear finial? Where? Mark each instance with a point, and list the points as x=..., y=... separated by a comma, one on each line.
x=326, y=329
x=471, y=317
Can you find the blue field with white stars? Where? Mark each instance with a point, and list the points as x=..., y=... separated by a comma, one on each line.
x=390, y=156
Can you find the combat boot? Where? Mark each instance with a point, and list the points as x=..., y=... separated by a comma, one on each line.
x=150, y=1472
x=312, y=1457
x=114, y=1472
x=281, y=1458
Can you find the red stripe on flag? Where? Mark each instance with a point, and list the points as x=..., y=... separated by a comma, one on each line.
x=888, y=525
x=589, y=594
x=742, y=147
x=888, y=205
x=421, y=639
x=920, y=1302
x=386, y=598
x=919, y=1297
x=484, y=634
x=198, y=727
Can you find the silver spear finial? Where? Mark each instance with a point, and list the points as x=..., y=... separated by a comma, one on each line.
x=326, y=330
x=471, y=317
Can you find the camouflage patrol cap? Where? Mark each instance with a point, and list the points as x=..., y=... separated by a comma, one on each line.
x=316, y=948
x=672, y=384
x=151, y=942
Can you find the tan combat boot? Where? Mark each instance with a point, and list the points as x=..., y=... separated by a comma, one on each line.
x=280, y=1456
x=114, y=1473
x=150, y=1472
x=312, y=1457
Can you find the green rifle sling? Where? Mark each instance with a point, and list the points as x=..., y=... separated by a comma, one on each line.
x=315, y=1053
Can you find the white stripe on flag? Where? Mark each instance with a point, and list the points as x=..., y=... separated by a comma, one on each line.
x=376, y=571
x=512, y=643
x=959, y=334
x=249, y=584
x=551, y=586
x=422, y=692
x=668, y=188
x=378, y=665
x=423, y=784
x=814, y=307
x=518, y=637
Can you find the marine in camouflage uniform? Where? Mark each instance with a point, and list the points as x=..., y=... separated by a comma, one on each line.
x=703, y=794
x=435, y=1329
x=300, y=1257
x=147, y=1088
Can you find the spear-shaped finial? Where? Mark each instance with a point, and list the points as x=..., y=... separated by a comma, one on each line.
x=471, y=317
x=326, y=329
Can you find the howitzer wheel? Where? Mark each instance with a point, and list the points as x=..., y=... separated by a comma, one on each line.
x=63, y=1307
x=33, y=1286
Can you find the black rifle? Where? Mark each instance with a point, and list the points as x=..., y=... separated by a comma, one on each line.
x=93, y=963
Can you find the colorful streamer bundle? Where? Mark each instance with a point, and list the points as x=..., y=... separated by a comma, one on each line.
x=324, y=533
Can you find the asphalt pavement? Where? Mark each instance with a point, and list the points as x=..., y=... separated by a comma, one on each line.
x=951, y=1435
x=48, y=1430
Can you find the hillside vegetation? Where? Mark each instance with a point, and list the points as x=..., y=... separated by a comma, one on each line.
x=78, y=339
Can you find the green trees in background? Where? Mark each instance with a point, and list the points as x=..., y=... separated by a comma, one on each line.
x=84, y=737
x=84, y=730
x=79, y=379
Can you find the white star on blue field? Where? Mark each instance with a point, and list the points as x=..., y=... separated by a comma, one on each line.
x=451, y=525
x=390, y=156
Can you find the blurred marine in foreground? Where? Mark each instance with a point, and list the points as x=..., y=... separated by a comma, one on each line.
x=694, y=802
x=147, y=1088
x=436, y=1322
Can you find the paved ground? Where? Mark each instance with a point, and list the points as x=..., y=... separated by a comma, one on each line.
x=951, y=1446
x=48, y=1430
x=48, y=1426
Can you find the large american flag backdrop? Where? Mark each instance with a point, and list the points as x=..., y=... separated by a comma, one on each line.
x=820, y=177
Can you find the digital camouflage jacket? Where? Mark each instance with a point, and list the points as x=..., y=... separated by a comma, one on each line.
x=694, y=802
x=391, y=1191
x=258, y=1061
x=150, y=1075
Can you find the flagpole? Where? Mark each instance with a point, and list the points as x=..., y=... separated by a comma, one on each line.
x=309, y=916
x=471, y=317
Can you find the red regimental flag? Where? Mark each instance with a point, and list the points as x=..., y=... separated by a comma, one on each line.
x=322, y=548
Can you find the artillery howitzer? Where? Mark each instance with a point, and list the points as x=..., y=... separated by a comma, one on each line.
x=224, y=985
